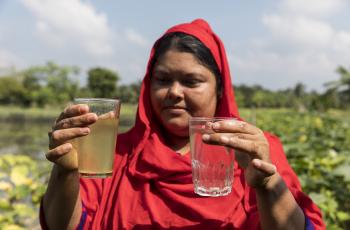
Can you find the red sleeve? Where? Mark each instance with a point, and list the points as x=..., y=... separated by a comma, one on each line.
x=312, y=213
x=91, y=195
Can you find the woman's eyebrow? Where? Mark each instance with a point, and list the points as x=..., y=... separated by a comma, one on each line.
x=160, y=69
x=195, y=75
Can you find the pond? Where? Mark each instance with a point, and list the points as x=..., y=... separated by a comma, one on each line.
x=29, y=137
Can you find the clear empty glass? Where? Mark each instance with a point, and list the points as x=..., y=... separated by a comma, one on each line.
x=212, y=165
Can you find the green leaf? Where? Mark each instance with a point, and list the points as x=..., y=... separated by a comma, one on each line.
x=12, y=227
x=5, y=204
x=343, y=170
x=23, y=210
x=20, y=192
x=343, y=216
x=19, y=175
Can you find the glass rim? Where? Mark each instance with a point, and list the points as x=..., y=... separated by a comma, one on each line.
x=87, y=99
x=211, y=118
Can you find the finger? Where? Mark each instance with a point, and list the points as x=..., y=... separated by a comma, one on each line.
x=53, y=154
x=63, y=135
x=230, y=139
x=248, y=146
x=264, y=166
x=223, y=138
x=79, y=121
x=73, y=110
x=235, y=126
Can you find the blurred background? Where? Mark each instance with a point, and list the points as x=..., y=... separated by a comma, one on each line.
x=289, y=60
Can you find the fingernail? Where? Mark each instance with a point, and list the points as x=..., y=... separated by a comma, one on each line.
x=205, y=137
x=216, y=125
x=208, y=125
x=274, y=169
x=224, y=140
x=257, y=163
x=83, y=108
x=92, y=117
x=67, y=147
x=85, y=130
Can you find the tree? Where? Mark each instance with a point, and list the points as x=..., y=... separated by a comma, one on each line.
x=299, y=94
x=342, y=86
x=299, y=90
x=129, y=93
x=102, y=82
x=12, y=91
x=50, y=80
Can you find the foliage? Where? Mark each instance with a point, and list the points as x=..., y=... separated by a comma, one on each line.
x=129, y=93
x=341, y=86
x=317, y=147
x=22, y=183
x=40, y=85
x=51, y=84
x=11, y=91
x=102, y=82
x=16, y=113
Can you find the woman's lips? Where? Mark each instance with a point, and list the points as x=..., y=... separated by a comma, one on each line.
x=175, y=109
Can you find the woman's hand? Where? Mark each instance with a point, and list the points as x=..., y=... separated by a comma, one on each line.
x=251, y=149
x=72, y=123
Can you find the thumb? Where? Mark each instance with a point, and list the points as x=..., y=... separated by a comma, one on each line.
x=264, y=167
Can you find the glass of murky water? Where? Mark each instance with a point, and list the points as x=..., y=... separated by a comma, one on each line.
x=95, y=152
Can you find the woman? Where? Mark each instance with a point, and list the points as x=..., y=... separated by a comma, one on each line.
x=151, y=186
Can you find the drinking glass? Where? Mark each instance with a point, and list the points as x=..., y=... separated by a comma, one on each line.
x=212, y=165
x=96, y=150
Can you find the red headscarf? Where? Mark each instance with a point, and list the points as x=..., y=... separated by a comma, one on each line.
x=152, y=188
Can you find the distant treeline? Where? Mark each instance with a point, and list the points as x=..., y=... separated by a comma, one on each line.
x=52, y=84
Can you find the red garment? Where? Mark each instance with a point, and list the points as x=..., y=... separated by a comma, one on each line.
x=151, y=186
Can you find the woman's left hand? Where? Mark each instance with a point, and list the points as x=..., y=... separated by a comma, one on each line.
x=251, y=149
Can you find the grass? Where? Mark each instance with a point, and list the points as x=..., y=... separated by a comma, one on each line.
x=49, y=113
x=9, y=111
x=128, y=112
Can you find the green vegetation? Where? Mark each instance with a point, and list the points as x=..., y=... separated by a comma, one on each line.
x=102, y=82
x=316, y=145
x=51, y=84
x=54, y=85
x=22, y=184
x=15, y=113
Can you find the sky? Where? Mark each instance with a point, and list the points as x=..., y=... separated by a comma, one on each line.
x=273, y=43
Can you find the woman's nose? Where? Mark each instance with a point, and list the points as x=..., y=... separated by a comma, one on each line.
x=175, y=91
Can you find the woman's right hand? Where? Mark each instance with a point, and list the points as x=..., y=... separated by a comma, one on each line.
x=73, y=122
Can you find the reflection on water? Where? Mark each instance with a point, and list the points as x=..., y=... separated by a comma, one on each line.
x=30, y=137
x=24, y=137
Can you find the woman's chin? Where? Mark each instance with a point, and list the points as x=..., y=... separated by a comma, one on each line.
x=177, y=129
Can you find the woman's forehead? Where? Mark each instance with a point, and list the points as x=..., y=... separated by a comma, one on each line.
x=176, y=58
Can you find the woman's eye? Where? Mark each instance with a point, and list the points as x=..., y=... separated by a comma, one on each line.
x=191, y=82
x=162, y=79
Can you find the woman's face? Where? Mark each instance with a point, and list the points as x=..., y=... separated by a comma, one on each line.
x=181, y=88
